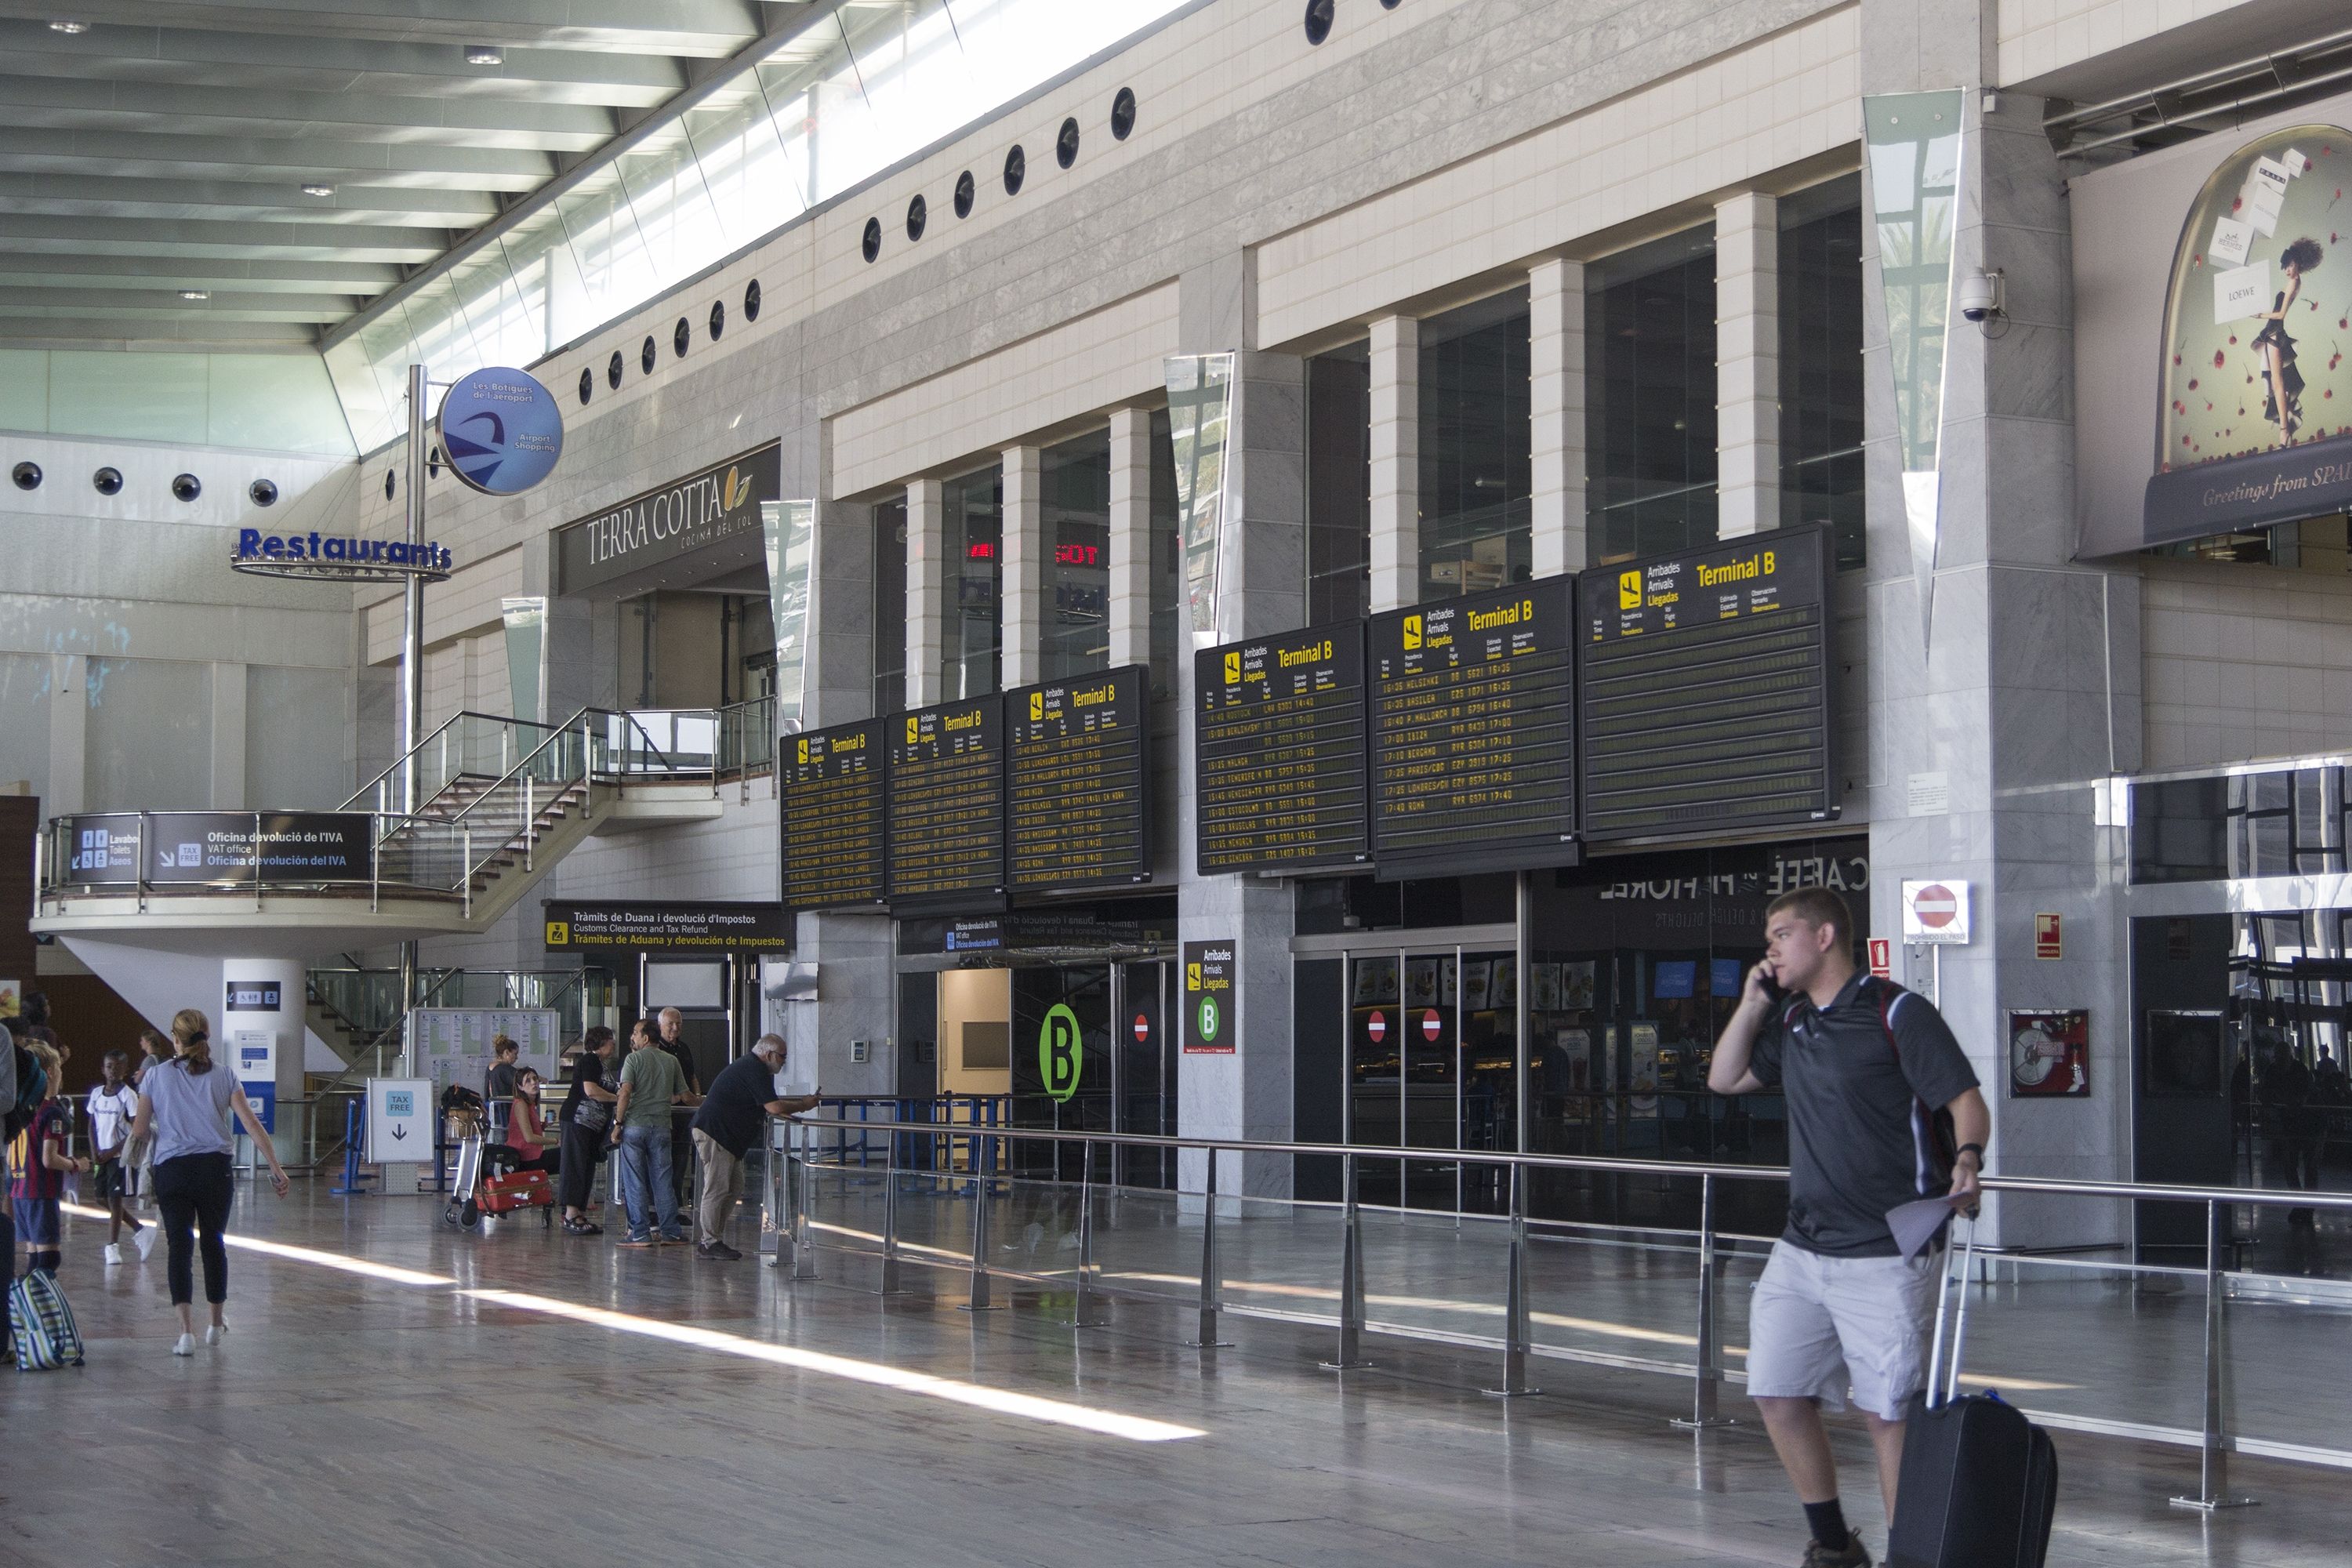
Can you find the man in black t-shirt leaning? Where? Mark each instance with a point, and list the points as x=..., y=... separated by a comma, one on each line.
x=733, y=1117
x=1883, y=1110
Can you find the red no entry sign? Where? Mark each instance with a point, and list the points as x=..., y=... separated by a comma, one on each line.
x=1142, y=1029
x=1936, y=906
x=1431, y=1026
x=1376, y=1026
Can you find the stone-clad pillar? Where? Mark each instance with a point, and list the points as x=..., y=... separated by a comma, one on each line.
x=1747, y=363
x=1556, y=405
x=1023, y=630
x=927, y=578
x=1396, y=462
x=1130, y=536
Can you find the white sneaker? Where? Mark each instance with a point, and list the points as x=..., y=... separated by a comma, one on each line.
x=113, y=1253
x=212, y=1334
x=184, y=1345
x=143, y=1238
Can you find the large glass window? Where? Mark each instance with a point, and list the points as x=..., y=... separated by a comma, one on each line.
x=1167, y=556
x=2287, y=822
x=971, y=652
x=1074, y=480
x=1475, y=424
x=1650, y=393
x=890, y=605
x=1339, y=484
x=1821, y=363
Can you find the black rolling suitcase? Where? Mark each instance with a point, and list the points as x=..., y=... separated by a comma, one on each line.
x=1979, y=1482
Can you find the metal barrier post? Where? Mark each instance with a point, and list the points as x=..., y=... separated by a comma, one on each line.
x=981, y=1182
x=1351, y=1277
x=804, y=1183
x=529, y=820
x=890, y=1286
x=1708, y=1391
x=1082, y=1314
x=1208, y=1340
x=2213, y=1469
x=1516, y=1335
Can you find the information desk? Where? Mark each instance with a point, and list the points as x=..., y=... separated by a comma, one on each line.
x=1706, y=703
x=1078, y=781
x=829, y=798
x=946, y=791
x=1278, y=763
x=1473, y=733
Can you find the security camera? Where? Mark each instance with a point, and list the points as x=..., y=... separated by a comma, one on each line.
x=1980, y=295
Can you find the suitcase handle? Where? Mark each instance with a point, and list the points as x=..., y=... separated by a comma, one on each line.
x=1939, y=1375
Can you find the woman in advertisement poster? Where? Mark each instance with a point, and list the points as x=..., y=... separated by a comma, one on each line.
x=2284, y=404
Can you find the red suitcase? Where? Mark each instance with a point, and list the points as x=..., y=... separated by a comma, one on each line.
x=517, y=1190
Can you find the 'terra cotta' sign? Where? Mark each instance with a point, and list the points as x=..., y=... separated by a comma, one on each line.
x=720, y=503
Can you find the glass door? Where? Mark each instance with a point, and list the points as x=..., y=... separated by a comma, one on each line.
x=1143, y=1062
x=1432, y=1065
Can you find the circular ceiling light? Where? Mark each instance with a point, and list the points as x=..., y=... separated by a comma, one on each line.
x=485, y=55
x=70, y=29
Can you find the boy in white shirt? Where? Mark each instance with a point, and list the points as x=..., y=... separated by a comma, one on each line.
x=113, y=1105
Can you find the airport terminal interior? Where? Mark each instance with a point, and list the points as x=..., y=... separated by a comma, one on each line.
x=1161, y=663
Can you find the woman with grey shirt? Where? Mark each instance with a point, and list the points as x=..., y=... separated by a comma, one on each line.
x=185, y=1104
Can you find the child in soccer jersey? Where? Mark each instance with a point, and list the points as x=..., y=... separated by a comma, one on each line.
x=39, y=1165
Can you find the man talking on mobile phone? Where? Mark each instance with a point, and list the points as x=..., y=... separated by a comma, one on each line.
x=1884, y=1110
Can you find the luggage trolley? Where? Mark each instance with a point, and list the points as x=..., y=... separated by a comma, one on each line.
x=476, y=1199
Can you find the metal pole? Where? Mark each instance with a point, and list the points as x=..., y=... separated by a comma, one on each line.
x=1352, y=1275
x=1082, y=1313
x=412, y=644
x=803, y=1182
x=1522, y=1025
x=1208, y=1340
x=407, y=1020
x=1707, y=1392
x=2214, y=1470
x=983, y=1179
x=890, y=1286
x=1516, y=1335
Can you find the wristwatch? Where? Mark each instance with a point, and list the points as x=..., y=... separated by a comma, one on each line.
x=1976, y=1149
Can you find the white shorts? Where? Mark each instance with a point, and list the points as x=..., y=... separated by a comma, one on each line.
x=1820, y=1325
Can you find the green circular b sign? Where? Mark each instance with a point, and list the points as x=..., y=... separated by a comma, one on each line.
x=1209, y=1020
x=1058, y=1057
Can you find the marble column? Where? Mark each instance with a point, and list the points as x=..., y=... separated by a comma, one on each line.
x=1747, y=363
x=1022, y=627
x=1988, y=739
x=1396, y=462
x=1556, y=403
x=1130, y=536
x=228, y=781
x=927, y=581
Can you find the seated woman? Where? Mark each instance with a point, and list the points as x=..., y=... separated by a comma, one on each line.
x=531, y=1143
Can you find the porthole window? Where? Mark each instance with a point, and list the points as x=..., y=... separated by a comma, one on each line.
x=646, y=356
x=966, y=192
x=872, y=245
x=1318, y=20
x=679, y=337
x=1065, y=145
x=587, y=384
x=387, y=484
x=186, y=487
x=263, y=492
x=918, y=213
x=27, y=476
x=1390, y=4
x=612, y=369
x=1016, y=169
x=1123, y=115
x=751, y=300
x=107, y=481
x=717, y=318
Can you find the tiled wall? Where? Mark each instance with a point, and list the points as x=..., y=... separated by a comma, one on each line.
x=2245, y=662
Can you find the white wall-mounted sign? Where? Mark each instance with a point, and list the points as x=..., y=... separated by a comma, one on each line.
x=1936, y=911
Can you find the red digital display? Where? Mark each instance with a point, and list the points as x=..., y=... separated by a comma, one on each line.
x=981, y=549
x=1077, y=555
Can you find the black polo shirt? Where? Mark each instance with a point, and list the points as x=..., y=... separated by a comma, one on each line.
x=1864, y=1078
x=736, y=1109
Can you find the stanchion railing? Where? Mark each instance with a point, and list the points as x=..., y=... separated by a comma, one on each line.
x=2214, y=1439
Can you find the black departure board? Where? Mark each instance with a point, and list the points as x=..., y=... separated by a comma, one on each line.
x=829, y=797
x=1278, y=766
x=1473, y=733
x=947, y=801
x=1077, y=782
x=1707, y=700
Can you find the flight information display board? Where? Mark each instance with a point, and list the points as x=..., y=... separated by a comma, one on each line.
x=1278, y=766
x=1707, y=700
x=1473, y=733
x=829, y=798
x=1078, y=781
x=946, y=790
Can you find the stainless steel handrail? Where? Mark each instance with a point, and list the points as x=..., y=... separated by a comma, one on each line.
x=2213, y=1440
x=434, y=738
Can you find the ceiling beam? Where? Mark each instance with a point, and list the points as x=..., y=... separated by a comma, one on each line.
x=33, y=232
x=66, y=194
x=695, y=28
x=162, y=304
x=360, y=278
x=297, y=160
x=293, y=62
x=102, y=105
x=184, y=332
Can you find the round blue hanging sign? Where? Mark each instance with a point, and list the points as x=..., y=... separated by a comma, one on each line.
x=501, y=430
